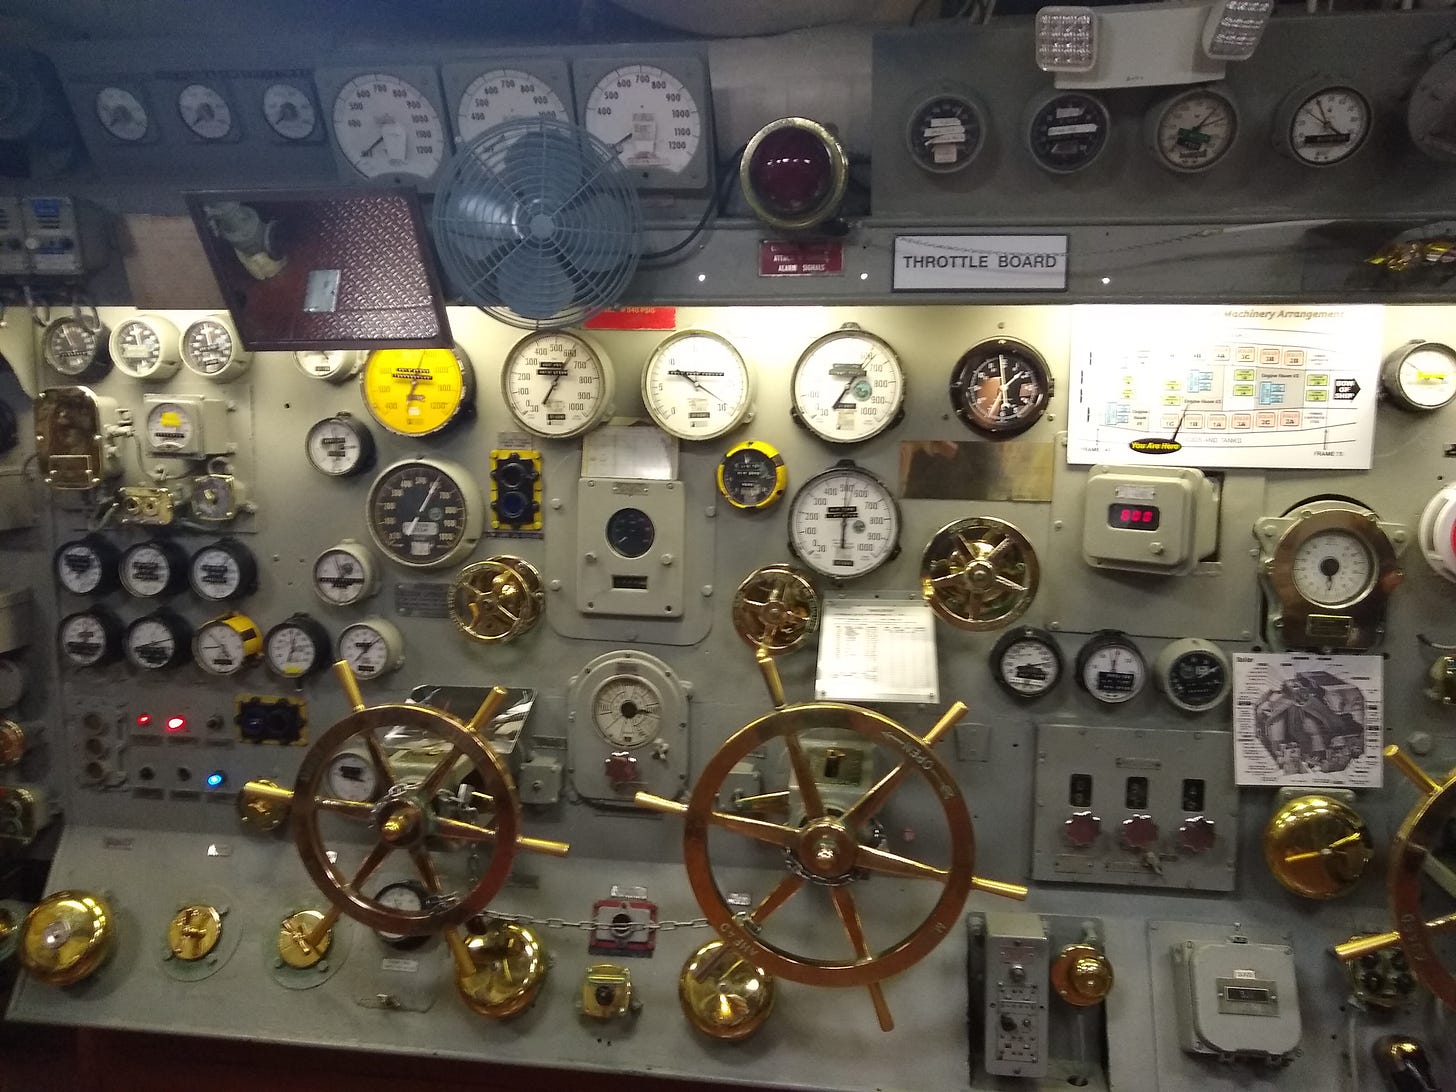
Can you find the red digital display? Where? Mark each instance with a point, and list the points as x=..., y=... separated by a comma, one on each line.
x=1133, y=517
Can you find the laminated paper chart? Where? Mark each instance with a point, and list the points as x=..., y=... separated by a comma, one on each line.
x=1259, y=387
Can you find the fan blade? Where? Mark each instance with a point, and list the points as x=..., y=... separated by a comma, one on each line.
x=534, y=284
x=596, y=233
x=542, y=167
x=480, y=219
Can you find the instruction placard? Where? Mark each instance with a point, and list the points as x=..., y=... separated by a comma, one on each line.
x=877, y=650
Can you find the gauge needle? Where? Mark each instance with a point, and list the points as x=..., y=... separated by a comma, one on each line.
x=409, y=528
x=370, y=150
x=692, y=377
x=844, y=519
x=555, y=379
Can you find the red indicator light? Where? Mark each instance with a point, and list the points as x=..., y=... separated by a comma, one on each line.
x=143, y=719
x=176, y=724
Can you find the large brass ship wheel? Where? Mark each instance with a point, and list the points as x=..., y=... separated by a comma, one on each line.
x=831, y=848
x=979, y=573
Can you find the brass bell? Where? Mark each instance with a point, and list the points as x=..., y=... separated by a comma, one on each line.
x=722, y=994
x=1317, y=846
x=67, y=937
x=506, y=966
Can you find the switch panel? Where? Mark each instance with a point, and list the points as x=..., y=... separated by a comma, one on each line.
x=1018, y=966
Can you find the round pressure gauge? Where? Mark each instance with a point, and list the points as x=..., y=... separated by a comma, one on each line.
x=297, y=647
x=848, y=386
x=946, y=132
x=696, y=386
x=122, y=114
x=153, y=568
x=345, y=574
x=205, y=112
x=350, y=775
x=1193, y=129
x=1026, y=662
x=289, y=111
x=210, y=347
x=406, y=896
x=226, y=645
x=418, y=392
x=424, y=513
x=844, y=522
x=340, y=446
x=504, y=94
x=1332, y=568
x=146, y=347
x=1193, y=674
x=90, y=638
x=158, y=640
x=1000, y=387
x=222, y=572
x=76, y=348
x=1067, y=130
x=1320, y=124
x=12, y=684
x=648, y=114
x=627, y=711
x=1110, y=667
x=752, y=476
x=172, y=428
x=372, y=648
x=330, y=365
x=1421, y=375
x=384, y=126
x=557, y=384
x=88, y=565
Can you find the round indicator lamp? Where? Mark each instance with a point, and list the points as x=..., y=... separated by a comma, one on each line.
x=752, y=476
x=1026, y=662
x=1193, y=674
x=1110, y=667
x=794, y=173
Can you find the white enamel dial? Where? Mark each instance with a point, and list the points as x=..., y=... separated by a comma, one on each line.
x=696, y=386
x=844, y=523
x=649, y=115
x=330, y=365
x=1194, y=129
x=220, y=647
x=148, y=569
x=1027, y=665
x=210, y=347
x=289, y=111
x=146, y=347
x=87, y=638
x=557, y=384
x=1326, y=126
x=296, y=647
x=205, y=111
x=1332, y=568
x=848, y=386
x=81, y=566
x=1111, y=668
x=351, y=776
x=627, y=711
x=503, y=94
x=156, y=641
x=372, y=648
x=384, y=125
x=339, y=446
x=171, y=428
x=1422, y=375
x=345, y=574
x=121, y=114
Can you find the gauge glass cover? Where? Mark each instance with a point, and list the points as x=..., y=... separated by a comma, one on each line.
x=338, y=446
x=751, y=476
x=143, y=347
x=72, y=347
x=147, y=570
x=418, y=514
x=204, y=111
x=556, y=384
x=289, y=111
x=155, y=642
x=1027, y=663
x=650, y=114
x=80, y=568
x=1194, y=129
x=218, y=573
x=1112, y=669
x=1329, y=126
x=352, y=776
x=219, y=649
x=342, y=577
x=630, y=532
x=1000, y=387
x=331, y=365
x=384, y=125
x=1068, y=131
x=209, y=347
x=121, y=114
x=368, y=651
x=85, y=639
x=945, y=133
x=848, y=386
x=844, y=523
x=1332, y=568
x=292, y=650
x=1197, y=680
x=1425, y=376
x=696, y=386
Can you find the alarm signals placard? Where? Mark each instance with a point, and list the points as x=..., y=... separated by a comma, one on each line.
x=1268, y=387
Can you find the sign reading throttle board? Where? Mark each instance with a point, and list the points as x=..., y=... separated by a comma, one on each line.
x=993, y=263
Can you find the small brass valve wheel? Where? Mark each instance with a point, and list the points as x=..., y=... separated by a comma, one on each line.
x=723, y=995
x=777, y=608
x=1317, y=846
x=606, y=992
x=194, y=932
x=1082, y=975
x=260, y=807
x=498, y=599
x=304, y=938
x=67, y=937
x=979, y=573
x=499, y=969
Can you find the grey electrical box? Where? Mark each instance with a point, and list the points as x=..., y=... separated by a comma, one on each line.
x=1017, y=981
x=1143, y=519
x=1237, y=999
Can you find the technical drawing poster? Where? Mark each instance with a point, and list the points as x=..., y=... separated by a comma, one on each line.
x=1302, y=719
x=1263, y=387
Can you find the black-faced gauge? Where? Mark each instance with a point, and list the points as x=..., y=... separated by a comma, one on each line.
x=652, y=116
x=289, y=111
x=76, y=348
x=88, y=565
x=1193, y=674
x=558, y=384
x=153, y=568
x=946, y=132
x=504, y=94
x=1193, y=129
x=384, y=125
x=225, y=645
x=330, y=365
x=1110, y=667
x=752, y=476
x=418, y=392
x=158, y=640
x=372, y=647
x=224, y=571
x=844, y=522
x=1026, y=662
x=1333, y=567
x=697, y=386
x=1000, y=387
x=90, y=638
x=340, y=446
x=297, y=647
x=146, y=347
x=211, y=348
x=424, y=513
x=205, y=112
x=630, y=532
x=345, y=574
x=1320, y=124
x=848, y=386
x=407, y=896
x=626, y=711
x=1066, y=130
x=122, y=114
x=351, y=775
x=1420, y=375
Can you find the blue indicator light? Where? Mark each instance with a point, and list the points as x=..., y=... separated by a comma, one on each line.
x=215, y=779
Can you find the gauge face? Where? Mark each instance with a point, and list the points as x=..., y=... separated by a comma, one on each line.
x=417, y=392
x=371, y=648
x=1328, y=126
x=339, y=446
x=630, y=532
x=844, y=523
x=171, y=428
x=1422, y=376
x=205, y=112
x=1193, y=130
x=1111, y=668
x=210, y=348
x=145, y=348
x=289, y=111
x=225, y=570
x=1026, y=662
x=1000, y=387
x=74, y=348
x=649, y=115
x=420, y=513
x=330, y=365
x=627, y=711
x=1067, y=131
x=752, y=476
x=226, y=645
x=351, y=776
x=1332, y=568
x=504, y=94
x=945, y=133
x=696, y=386
x=151, y=568
x=296, y=647
x=121, y=114
x=343, y=576
x=848, y=386
x=1197, y=680
x=557, y=384
x=157, y=641
x=384, y=125
x=406, y=896
x=86, y=566
x=89, y=638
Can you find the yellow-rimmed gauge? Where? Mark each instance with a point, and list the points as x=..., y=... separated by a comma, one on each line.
x=418, y=392
x=227, y=644
x=752, y=475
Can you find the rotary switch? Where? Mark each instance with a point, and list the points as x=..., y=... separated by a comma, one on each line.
x=1081, y=829
x=67, y=937
x=1197, y=834
x=1139, y=832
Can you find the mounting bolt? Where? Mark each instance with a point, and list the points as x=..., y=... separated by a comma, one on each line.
x=590, y=556
x=555, y=585
x=667, y=559
x=707, y=590
x=555, y=503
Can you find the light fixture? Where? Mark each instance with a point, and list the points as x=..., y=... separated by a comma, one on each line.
x=793, y=174
x=1066, y=39
x=1234, y=28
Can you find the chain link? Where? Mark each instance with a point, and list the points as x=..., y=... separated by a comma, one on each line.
x=591, y=925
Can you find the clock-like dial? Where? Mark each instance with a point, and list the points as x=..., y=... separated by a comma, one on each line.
x=157, y=641
x=226, y=645
x=848, y=386
x=696, y=386
x=557, y=384
x=1067, y=130
x=372, y=648
x=627, y=711
x=1323, y=126
x=344, y=575
x=385, y=125
x=1000, y=387
x=844, y=522
x=339, y=446
x=1332, y=568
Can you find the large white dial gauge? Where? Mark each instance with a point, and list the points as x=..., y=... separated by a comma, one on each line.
x=844, y=522
x=122, y=114
x=503, y=94
x=289, y=111
x=146, y=347
x=648, y=115
x=1322, y=126
x=205, y=112
x=1194, y=129
x=372, y=647
x=627, y=711
x=696, y=386
x=1332, y=568
x=557, y=384
x=384, y=125
x=848, y=386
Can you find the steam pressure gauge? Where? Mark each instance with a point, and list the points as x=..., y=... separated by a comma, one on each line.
x=418, y=392
x=227, y=644
x=88, y=565
x=1110, y=667
x=653, y=115
x=558, y=384
x=345, y=574
x=154, y=568
x=696, y=386
x=1322, y=124
x=157, y=641
x=146, y=347
x=330, y=365
x=844, y=522
x=340, y=446
x=424, y=513
x=90, y=638
x=78, y=349
x=1026, y=662
x=1193, y=674
x=223, y=571
x=297, y=647
x=1420, y=375
x=210, y=347
x=848, y=386
x=1194, y=129
x=385, y=126
x=372, y=647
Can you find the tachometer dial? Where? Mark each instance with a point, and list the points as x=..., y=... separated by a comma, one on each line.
x=159, y=640
x=696, y=386
x=289, y=111
x=1110, y=667
x=503, y=94
x=627, y=711
x=418, y=392
x=844, y=522
x=946, y=132
x=1026, y=662
x=76, y=348
x=345, y=574
x=424, y=513
x=205, y=112
x=557, y=384
x=848, y=386
x=1192, y=130
x=88, y=565
x=339, y=446
x=649, y=115
x=223, y=571
x=630, y=532
x=146, y=347
x=387, y=126
x=1067, y=130
x=150, y=569
x=1332, y=568
x=210, y=347
x=226, y=645
x=372, y=648
x=90, y=638
x=1000, y=387
x=297, y=647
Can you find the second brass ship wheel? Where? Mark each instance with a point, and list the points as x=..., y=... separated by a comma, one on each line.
x=776, y=608
x=979, y=573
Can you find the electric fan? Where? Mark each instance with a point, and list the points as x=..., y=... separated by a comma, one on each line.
x=537, y=222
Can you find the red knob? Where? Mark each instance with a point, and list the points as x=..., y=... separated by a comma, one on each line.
x=1081, y=829
x=1197, y=835
x=1139, y=832
x=622, y=769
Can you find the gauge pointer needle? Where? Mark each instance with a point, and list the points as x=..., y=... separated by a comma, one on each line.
x=550, y=390
x=370, y=150
x=844, y=519
x=409, y=528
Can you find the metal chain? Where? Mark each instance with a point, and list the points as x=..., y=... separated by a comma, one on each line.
x=591, y=925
